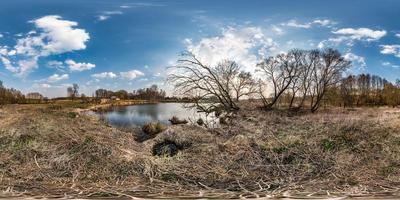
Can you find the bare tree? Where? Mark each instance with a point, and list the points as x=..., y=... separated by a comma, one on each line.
x=210, y=87
x=327, y=72
x=244, y=85
x=310, y=60
x=73, y=91
x=281, y=71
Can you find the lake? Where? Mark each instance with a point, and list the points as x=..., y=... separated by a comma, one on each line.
x=138, y=115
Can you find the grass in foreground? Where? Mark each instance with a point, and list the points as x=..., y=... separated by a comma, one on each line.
x=52, y=150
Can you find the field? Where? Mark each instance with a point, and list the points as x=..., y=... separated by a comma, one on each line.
x=55, y=151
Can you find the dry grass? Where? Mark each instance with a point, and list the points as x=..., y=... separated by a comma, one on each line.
x=337, y=150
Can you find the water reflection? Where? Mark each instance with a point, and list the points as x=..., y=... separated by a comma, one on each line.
x=138, y=115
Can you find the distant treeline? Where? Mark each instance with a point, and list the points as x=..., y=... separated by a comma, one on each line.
x=12, y=96
x=151, y=93
x=365, y=90
x=9, y=96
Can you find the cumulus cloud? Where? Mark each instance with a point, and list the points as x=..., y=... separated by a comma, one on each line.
x=57, y=77
x=348, y=36
x=74, y=66
x=243, y=45
x=397, y=35
x=361, y=33
x=104, y=75
x=52, y=36
x=20, y=67
x=131, y=74
x=56, y=36
x=391, y=49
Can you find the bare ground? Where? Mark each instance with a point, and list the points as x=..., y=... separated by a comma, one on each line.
x=52, y=151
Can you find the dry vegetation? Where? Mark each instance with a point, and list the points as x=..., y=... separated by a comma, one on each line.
x=51, y=151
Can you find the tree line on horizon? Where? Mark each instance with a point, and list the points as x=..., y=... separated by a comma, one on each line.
x=151, y=93
x=299, y=79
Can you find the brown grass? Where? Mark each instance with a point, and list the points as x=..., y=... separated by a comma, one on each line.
x=49, y=150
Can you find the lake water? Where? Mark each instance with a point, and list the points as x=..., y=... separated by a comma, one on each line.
x=138, y=115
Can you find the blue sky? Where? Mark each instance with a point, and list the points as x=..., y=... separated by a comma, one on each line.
x=46, y=45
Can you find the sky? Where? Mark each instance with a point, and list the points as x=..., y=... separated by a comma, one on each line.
x=46, y=45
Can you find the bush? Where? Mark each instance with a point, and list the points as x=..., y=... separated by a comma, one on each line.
x=153, y=128
x=175, y=120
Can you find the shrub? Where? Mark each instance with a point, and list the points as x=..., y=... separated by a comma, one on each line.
x=153, y=128
x=175, y=120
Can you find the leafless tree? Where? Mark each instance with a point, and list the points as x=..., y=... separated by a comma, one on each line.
x=73, y=91
x=327, y=72
x=309, y=65
x=244, y=85
x=281, y=71
x=210, y=87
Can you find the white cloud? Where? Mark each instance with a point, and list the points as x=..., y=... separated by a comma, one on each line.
x=125, y=6
x=391, y=49
x=104, y=75
x=7, y=63
x=277, y=30
x=21, y=67
x=397, y=35
x=41, y=85
x=390, y=65
x=131, y=74
x=56, y=65
x=359, y=60
x=12, y=53
x=107, y=14
x=3, y=50
x=295, y=24
x=56, y=36
x=52, y=36
x=57, y=77
x=74, y=66
x=102, y=17
x=320, y=22
x=349, y=35
x=361, y=33
x=243, y=45
x=324, y=22
x=1, y=35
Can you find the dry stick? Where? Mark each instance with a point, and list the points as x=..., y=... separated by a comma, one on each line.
x=37, y=164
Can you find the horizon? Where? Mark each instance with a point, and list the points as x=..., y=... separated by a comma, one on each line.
x=127, y=45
